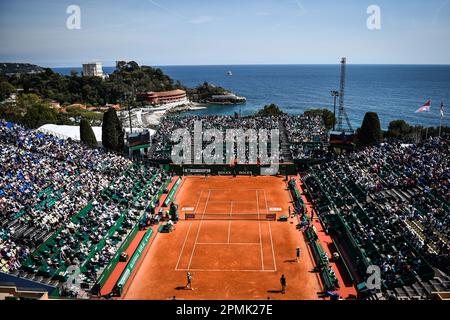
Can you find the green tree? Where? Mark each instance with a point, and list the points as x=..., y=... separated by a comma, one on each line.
x=399, y=129
x=327, y=116
x=270, y=110
x=93, y=90
x=204, y=92
x=64, y=119
x=28, y=100
x=87, y=135
x=112, y=133
x=39, y=114
x=120, y=64
x=370, y=132
x=6, y=89
x=10, y=112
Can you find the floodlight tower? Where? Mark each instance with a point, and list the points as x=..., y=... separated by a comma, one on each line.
x=342, y=113
x=334, y=94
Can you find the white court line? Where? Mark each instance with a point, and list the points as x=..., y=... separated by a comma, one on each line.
x=229, y=232
x=235, y=189
x=225, y=270
x=271, y=244
x=260, y=236
x=187, y=234
x=265, y=199
x=270, y=232
x=213, y=201
x=228, y=213
x=198, y=201
x=198, y=231
x=231, y=243
x=184, y=244
x=229, y=224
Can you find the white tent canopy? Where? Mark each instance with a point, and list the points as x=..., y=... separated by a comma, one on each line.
x=66, y=132
x=73, y=132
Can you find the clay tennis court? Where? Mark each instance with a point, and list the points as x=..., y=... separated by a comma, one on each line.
x=227, y=243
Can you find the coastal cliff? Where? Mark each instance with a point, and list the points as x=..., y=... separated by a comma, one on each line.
x=211, y=94
x=8, y=68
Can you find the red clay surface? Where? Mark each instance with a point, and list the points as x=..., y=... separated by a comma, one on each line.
x=230, y=253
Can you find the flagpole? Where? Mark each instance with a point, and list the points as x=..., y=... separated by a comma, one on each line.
x=418, y=132
x=419, y=137
x=416, y=129
x=425, y=107
x=441, y=116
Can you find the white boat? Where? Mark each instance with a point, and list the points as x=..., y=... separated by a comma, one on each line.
x=229, y=73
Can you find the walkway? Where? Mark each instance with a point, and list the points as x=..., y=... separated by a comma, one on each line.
x=346, y=290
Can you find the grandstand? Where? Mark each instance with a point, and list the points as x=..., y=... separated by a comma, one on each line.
x=388, y=205
x=83, y=223
x=66, y=208
x=301, y=137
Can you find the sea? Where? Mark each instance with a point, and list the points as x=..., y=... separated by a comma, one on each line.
x=393, y=91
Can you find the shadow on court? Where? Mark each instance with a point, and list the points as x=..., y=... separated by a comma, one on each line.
x=273, y=291
x=290, y=261
x=181, y=288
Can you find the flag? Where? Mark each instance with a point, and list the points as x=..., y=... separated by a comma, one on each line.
x=442, y=109
x=426, y=107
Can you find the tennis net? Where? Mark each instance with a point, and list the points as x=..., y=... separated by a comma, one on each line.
x=233, y=216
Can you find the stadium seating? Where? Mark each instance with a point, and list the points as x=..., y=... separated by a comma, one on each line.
x=299, y=135
x=321, y=259
x=389, y=202
x=65, y=209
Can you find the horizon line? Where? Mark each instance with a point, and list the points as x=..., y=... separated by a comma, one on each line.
x=258, y=64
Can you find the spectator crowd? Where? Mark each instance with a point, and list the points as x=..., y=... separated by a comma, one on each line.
x=69, y=197
x=299, y=131
x=394, y=200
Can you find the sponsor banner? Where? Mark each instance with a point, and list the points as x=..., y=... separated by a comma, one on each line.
x=225, y=170
x=245, y=173
x=187, y=209
x=275, y=209
x=225, y=173
x=196, y=171
x=134, y=260
x=169, y=198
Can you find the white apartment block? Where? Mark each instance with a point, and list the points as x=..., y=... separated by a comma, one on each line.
x=93, y=69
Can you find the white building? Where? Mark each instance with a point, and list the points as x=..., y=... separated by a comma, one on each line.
x=93, y=69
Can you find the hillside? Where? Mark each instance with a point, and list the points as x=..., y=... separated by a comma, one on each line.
x=8, y=68
x=94, y=91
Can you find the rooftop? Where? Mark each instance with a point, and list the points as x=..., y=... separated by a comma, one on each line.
x=167, y=93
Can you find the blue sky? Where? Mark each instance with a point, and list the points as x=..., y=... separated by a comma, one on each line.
x=185, y=32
